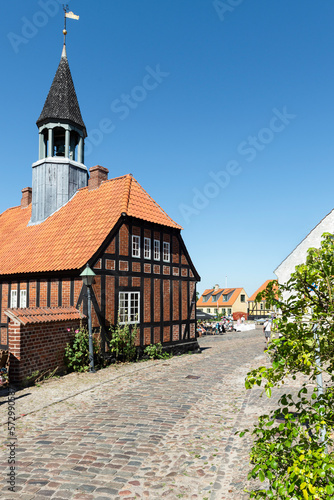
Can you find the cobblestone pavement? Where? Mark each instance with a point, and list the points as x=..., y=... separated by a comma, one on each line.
x=154, y=430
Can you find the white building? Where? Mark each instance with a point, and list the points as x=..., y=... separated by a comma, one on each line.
x=298, y=255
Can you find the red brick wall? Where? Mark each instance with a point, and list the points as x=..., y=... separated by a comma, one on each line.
x=32, y=293
x=184, y=300
x=111, y=247
x=43, y=294
x=110, y=303
x=66, y=287
x=124, y=240
x=38, y=347
x=176, y=250
x=97, y=292
x=4, y=302
x=54, y=293
x=147, y=300
x=166, y=299
x=156, y=301
x=176, y=286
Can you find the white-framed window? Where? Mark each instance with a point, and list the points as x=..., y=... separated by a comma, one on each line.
x=156, y=249
x=23, y=298
x=13, y=299
x=147, y=248
x=229, y=311
x=224, y=312
x=135, y=246
x=129, y=307
x=166, y=251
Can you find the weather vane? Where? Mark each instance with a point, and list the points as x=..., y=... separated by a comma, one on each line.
x=70, y=15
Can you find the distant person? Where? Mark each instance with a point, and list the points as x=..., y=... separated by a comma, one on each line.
x=267, y=329
x=242, y=319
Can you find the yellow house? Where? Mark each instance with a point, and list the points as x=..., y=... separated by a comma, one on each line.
x=260, y=309
x=224, y=301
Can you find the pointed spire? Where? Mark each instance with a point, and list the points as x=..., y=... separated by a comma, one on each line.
x=61, y=103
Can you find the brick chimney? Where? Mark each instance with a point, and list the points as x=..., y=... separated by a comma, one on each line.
x=26, y=197
x=98, y=175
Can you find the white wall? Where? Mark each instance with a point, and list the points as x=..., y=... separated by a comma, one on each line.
x=298, y=255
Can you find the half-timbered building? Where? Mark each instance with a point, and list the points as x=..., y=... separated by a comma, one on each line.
x=261, y=309
x=144, y=274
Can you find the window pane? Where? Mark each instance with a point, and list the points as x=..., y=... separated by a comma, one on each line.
x=135, y=246
x=123, y=307
x=147, y=248
x=23, y=298
x=13, y=299
x=166, y=251
x=156, y=250
x=129, y=307
x=134, y=316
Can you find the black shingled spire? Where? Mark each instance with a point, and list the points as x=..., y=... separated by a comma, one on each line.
x=61, y=102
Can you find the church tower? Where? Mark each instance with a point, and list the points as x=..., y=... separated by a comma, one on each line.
x=60, y=170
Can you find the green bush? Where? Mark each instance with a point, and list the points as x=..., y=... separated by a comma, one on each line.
x=154, y=351
x=122, y=341
x=77, y=351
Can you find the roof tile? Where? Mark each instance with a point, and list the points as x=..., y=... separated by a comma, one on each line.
x=33, y=315
x=72, y=235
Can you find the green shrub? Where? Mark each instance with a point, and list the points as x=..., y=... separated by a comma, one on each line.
x=122, y=341
x=77, y=351
x=154, y=351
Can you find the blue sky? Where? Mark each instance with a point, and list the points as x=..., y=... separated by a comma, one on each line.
x=222, y=110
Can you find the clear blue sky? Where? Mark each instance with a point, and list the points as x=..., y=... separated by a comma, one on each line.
x=223, y=111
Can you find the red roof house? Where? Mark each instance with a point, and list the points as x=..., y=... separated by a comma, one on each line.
x=144, y=273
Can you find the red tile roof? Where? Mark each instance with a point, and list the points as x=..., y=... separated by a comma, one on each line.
x=262, y=287
x=71, y=236
x=211, y=303
x=32, y=315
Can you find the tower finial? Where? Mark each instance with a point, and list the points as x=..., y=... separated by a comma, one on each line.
x=65, y=8
x=69, y=14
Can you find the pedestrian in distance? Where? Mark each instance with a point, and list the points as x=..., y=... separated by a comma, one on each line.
x=267, y=329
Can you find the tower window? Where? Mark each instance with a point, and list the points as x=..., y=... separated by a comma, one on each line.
x=59, y=141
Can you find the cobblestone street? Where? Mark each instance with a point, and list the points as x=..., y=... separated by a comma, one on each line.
x=153, y=430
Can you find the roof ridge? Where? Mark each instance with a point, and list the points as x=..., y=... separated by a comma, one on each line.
x=126, y=194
